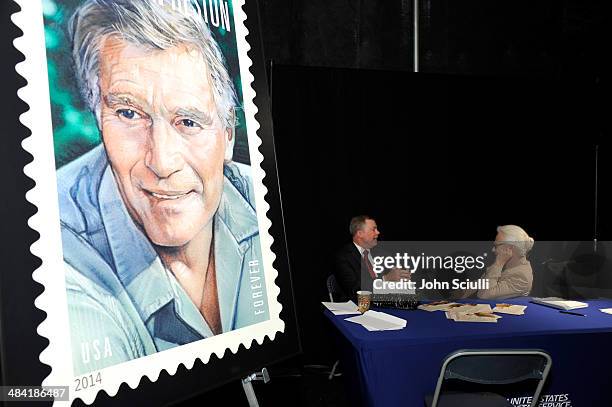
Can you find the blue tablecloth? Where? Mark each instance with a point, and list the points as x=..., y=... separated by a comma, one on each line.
x=398, y=368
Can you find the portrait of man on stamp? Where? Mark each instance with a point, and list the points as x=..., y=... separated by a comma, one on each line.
x=159, y=228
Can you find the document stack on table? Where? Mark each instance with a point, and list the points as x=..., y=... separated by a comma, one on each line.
x=473, y=312
x=378, y=321
x=473, y=317
x=438, y=306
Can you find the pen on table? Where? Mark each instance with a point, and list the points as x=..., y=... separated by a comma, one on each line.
x=572, y=313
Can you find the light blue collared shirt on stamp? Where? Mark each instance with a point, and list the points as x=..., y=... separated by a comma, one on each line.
x=123, y=303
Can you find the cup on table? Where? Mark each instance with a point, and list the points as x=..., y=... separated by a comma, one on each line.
x=364, y=298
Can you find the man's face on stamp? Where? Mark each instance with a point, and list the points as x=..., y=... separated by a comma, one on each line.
x=163, y=137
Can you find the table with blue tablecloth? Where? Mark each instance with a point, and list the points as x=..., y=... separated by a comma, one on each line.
x=398, y=368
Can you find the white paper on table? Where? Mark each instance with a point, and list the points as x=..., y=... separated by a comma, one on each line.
x=373, y=323
x=510, y=309
x=344, y=308
x=374, y=320
x=387, y=317
x=401, y=323
x=560, y=303
x=606, y=310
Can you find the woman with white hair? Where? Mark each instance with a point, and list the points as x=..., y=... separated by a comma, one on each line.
x=511, y=274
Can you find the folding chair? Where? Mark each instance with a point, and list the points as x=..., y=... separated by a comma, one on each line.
x=332, y=287
x=489, y=367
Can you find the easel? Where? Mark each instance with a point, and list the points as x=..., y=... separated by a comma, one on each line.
x=247, y=385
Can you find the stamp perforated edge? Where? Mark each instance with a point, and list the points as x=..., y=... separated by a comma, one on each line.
x=46, y=222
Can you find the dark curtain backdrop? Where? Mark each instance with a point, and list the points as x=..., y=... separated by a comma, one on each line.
x=422, y=155
x=552, y=38
x=431, y=157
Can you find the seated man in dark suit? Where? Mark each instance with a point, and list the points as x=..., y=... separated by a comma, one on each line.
x=356, y=256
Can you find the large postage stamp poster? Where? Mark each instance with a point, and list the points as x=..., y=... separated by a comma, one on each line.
x=151, y=206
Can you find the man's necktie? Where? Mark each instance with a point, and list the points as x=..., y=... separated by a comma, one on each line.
x=366, y=260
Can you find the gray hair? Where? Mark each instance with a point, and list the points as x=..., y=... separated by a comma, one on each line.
x=154, y=24
x=357, y=223
x=517, y=237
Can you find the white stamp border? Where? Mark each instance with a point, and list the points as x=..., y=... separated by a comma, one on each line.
x=49, y=247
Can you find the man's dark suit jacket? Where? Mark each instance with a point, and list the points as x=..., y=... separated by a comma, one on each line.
x=347, y=269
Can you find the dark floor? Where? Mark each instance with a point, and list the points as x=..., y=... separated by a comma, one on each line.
x=290, y=385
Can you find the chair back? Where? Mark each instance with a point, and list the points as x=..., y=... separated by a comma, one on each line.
x=495, y=366
x=332, y=287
